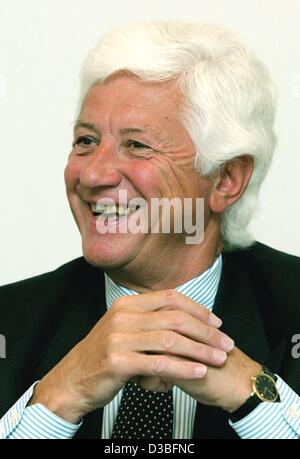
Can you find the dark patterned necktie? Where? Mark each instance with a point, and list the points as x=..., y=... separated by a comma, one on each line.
x=144, y=414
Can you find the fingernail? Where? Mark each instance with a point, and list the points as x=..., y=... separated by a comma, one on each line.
x=219, y=356
x=200, y=371
x=227, y=343
x=214, y=320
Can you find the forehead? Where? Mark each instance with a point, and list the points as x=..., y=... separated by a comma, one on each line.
x=130, y=98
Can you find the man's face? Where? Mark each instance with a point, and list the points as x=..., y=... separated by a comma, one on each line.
x=129, y=137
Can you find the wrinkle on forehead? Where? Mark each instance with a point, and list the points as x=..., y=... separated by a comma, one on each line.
x=125, y=102
x=147, y=93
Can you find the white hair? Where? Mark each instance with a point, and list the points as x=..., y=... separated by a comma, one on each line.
x=230, y=98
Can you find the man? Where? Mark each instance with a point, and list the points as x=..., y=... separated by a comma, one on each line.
x=127, y=341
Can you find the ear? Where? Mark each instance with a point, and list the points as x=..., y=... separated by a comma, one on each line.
x=230, y=183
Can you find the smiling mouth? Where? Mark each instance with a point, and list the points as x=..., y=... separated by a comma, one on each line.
x=113, y=211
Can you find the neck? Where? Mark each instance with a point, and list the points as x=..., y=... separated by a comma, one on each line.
x=174, y=269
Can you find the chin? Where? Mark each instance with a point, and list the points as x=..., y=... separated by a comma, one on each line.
x=107, y=255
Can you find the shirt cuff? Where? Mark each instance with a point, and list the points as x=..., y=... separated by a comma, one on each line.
x=34, y=422
x=272, y=420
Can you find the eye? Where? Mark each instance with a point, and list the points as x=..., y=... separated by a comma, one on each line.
x=84, y=143
x=135, y=144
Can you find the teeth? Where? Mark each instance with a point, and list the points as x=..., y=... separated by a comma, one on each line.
x=121, y=211
x=97, y=208
x=130, y=210
x=110, y=209
x=113, y=210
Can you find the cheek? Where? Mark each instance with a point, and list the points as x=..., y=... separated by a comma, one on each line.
x=145, y=177
x=72, y=173
x=160, y=177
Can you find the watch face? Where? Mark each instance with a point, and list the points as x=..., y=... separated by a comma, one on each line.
x=265, y=388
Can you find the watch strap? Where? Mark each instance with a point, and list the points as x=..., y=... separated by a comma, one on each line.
x=252, y=402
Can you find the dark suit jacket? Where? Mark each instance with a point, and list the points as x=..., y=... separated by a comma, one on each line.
x=44, y=317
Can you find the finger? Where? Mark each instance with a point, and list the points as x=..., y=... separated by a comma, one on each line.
x=173, y=320
x=171, y=343
x=136, y=364
x=167, y=299
x=186, y=325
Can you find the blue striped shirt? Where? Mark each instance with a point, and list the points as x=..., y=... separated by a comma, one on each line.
x=268, y=420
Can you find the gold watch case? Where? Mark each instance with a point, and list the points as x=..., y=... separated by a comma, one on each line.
x=264, y=387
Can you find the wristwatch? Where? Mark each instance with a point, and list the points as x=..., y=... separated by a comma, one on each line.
x=263, y=390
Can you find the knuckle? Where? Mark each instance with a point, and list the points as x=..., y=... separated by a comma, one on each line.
x=205, y=353
x=114, y=341
x=198, y=349
x=159, y=365
x=120, y=303
x=118, y=366
x=177, y=319
x=113, y=363
x=206, y=314
x=168, y=340
x=119, y=318
x=182, y=369
x=170, y=296
x=212, y=334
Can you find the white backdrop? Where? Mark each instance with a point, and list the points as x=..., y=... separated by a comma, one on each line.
x=42, y=46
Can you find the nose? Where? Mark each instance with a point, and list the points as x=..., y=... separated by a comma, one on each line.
x=101, y=167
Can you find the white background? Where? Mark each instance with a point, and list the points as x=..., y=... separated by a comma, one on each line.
x=42, y=46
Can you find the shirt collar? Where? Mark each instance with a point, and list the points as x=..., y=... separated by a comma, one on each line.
x=201, y=289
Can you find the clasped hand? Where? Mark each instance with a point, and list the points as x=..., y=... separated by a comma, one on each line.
x=159, y=339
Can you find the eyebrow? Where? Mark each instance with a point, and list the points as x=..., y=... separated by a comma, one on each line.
x=84, y=124
x=92, y=127
x=130, y=130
